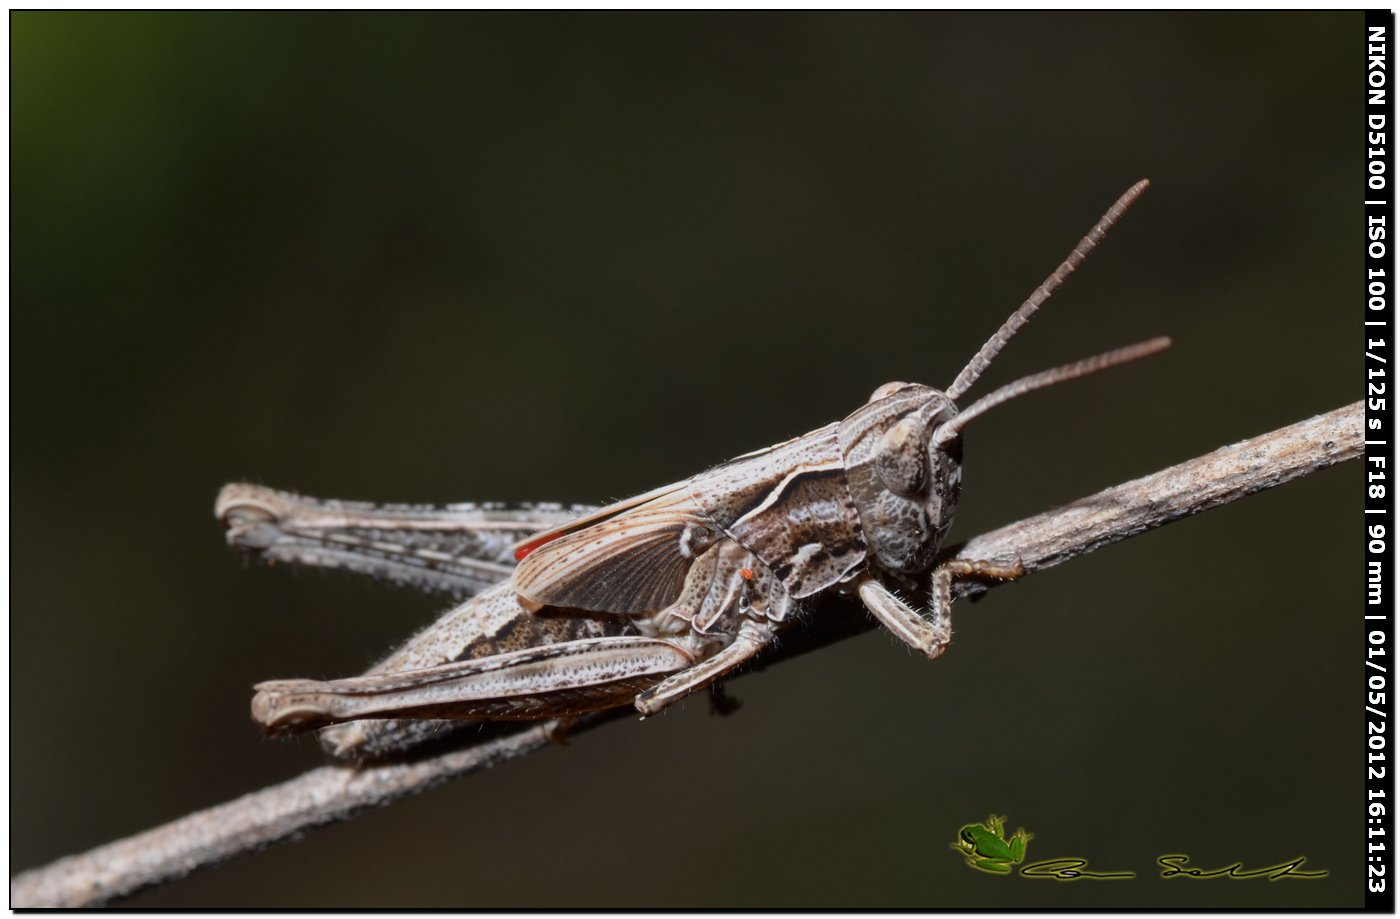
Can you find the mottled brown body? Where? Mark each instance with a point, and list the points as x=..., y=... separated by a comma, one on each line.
x=789, y=505
x=655, y=597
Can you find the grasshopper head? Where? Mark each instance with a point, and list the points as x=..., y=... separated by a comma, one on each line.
x=904, y=484
x=903, y=456
x=903, y=449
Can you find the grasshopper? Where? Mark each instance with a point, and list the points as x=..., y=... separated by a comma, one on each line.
x=577, y=609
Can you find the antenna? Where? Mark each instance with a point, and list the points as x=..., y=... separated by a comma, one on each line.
x=949, y=431
x=983, y=358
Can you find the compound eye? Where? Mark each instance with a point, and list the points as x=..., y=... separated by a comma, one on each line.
x=903, y=459
x=888, y=389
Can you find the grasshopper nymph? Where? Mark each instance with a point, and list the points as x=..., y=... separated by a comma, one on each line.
x=650, y=599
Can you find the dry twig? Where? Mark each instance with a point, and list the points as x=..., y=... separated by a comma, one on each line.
x=334, y=793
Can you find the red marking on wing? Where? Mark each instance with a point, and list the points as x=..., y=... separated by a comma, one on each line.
x=534, y=544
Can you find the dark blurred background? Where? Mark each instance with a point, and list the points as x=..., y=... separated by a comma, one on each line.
x=440, y=257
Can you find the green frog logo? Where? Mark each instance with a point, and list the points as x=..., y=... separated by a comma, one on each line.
x=986, y=848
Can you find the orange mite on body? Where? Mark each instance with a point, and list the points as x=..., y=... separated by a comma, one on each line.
x=746, y=573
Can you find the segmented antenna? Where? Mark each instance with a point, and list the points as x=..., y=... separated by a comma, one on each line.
x=949, y=431
x=983, y=358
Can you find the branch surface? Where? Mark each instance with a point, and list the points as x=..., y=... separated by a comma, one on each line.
x=333, y=793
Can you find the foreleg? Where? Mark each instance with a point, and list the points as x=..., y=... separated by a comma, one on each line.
x=930, y=634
